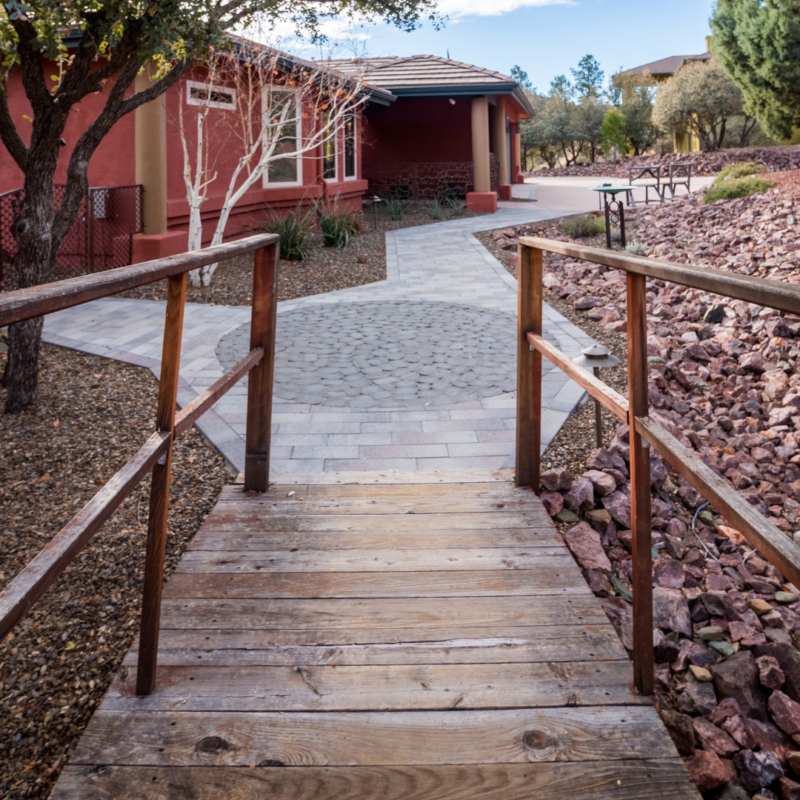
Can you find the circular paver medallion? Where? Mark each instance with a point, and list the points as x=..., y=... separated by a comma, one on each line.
x=387, y=354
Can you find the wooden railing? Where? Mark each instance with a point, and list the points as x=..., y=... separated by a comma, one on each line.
x=156, y=453
x=773, y=544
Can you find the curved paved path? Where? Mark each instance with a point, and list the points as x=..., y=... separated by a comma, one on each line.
x=442, y=322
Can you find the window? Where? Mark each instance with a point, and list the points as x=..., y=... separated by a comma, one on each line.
x=201, y=94
x=350, y=168
x=329, y=165
x=283, y=126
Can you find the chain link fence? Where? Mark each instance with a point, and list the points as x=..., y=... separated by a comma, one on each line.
x=101, y=237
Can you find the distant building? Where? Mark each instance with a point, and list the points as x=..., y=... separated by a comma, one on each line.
x=659, y=71
x=454, y=128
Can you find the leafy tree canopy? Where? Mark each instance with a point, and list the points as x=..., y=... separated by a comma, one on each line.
x=758, y=44
x=521, y=77
x=588, y=77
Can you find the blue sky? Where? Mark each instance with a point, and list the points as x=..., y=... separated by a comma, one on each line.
x=547, y=37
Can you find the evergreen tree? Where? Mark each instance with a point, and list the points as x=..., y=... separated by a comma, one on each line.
x=758, y=44
x=588, y=78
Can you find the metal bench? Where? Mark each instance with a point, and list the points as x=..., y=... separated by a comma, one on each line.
x=648, y=177
x=679, y=175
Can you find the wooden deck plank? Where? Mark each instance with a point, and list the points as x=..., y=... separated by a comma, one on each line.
x=425, y=638
x=254, y=649
x=435, y=560
x=262, y=585
x=605, y=780
x=375, y=738
x=411, y=613
x=414, y=687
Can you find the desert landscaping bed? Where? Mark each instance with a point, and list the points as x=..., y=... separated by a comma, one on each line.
x=91, y=416
x=326, y=269
x=724, y=379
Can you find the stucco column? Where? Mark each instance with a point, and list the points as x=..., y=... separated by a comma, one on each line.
x=480, y=144
x=518, y=165
x=500, y=148
x=151, y=157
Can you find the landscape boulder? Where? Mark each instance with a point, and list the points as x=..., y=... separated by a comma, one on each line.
x=737, y=678
x=584, y=543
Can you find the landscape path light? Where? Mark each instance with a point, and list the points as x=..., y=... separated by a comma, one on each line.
x=597, y=357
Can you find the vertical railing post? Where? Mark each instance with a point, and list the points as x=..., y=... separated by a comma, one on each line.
x=643, y=661
x=260, y=380
x=159, y=488
x=529, y=368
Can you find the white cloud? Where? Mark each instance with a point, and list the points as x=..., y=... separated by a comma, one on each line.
x=457, y=9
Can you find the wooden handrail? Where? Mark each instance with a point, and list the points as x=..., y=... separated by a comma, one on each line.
x=762, y=291
x=779, y=550
x=22, y=304
x=156, y=454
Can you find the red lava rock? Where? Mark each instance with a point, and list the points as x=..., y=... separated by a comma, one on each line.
x=788, y=659
x=788, y=789
x=736, y=678
x=603, y=484
x=553, y=502
x=757, y=770
x=557, y=480
x=786, y=714
x=767, y=736
x=707, y=770
x=793, y=759
x=621, y=617
x=769, y=672
x=598, y=582
x=618, y=504
x=697, y=697
x=584, y=542
x=671, y=611
x=580, y=497
x=680, y=728
x=713, y=738
x=668, y=573
x=738, y=728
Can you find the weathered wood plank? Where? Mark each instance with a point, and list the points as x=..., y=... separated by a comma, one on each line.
x=243, y=648
x=491, y=558
x=220, y=540
x=665, y=779
x=375, y=478
x=380, y=522
x=341, y=739
x=403, y=612
x=209, y=639
x=507, y=583
x=418, y=687
x=378, y=490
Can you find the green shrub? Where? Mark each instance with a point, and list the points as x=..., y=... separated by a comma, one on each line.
x=435, y=209
x=636, y=248
x=737, y=187
x=292, y=230
x=584, y=227
x=457, y=206
x=338, y=227
x=741, y=169
x=395, y=208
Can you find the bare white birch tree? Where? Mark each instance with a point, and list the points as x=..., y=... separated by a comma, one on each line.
x=285, y=108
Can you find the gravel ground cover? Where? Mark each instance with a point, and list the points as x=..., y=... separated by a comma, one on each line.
x=724, y=379
x=91, y=416
x=774, y=158
x=327, y=269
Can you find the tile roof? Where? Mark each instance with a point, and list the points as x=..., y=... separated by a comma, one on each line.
x=395, y=72
x=665, y=66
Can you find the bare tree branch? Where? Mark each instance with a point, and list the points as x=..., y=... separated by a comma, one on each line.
x=9, y=134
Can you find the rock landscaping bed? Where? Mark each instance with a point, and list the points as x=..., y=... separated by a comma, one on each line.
x=775, y=159
x=724, y=379
x=91, y=416
x=327, y=269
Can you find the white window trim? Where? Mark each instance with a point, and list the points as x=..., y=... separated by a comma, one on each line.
x=335, y=137
x=265, y=181
x=191, y=101
x=354, y=176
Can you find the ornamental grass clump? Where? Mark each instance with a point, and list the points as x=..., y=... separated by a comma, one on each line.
x=338, y=227
x=737, y=187
x=741, y=169
x=292, y=231
x=584, y=227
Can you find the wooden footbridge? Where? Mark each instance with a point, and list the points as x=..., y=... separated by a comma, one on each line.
x=409, y=636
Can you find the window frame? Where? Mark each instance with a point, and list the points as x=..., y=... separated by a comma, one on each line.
x=209, y=87
x=334, y=137
x=266, y=183
x=354, y=177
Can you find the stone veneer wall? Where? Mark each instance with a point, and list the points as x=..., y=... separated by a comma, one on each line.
x=426, y=179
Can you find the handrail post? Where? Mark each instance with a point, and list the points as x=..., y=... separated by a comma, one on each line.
x=159, y=489
x=259, y=390
x=529, y=368
x=643, y=660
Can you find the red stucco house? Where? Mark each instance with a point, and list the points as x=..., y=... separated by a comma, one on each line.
x=452, y=126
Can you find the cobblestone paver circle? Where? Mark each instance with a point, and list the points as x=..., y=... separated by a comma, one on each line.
x=387, y=354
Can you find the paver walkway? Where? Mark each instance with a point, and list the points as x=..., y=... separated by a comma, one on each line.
x=414, y=372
